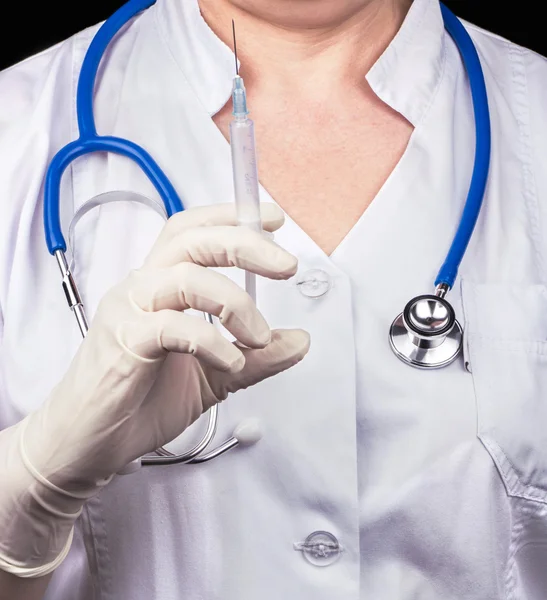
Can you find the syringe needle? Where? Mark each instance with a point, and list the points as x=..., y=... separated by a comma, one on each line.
x=235, y=46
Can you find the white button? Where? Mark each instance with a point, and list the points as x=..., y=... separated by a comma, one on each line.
x=320, y=548
x=314, y=283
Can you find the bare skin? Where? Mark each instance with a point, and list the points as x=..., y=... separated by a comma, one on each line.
x=342, y=142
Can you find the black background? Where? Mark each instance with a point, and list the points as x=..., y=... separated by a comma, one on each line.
x=33, y=26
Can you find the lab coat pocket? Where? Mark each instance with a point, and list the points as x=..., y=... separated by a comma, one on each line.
x=506, y=345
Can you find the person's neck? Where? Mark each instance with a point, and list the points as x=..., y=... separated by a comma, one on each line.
x=312, y=48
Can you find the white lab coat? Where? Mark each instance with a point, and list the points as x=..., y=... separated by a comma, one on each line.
x=434, y=483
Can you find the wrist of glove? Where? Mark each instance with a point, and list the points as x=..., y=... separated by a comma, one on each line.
x=36, y=518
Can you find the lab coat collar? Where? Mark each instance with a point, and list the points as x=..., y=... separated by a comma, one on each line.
x=405, y=76
x=408, y=73
x=206, y=62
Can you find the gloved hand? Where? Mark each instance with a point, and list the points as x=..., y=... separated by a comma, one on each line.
x=145, y=371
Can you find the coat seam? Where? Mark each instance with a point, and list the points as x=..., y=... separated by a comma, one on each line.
x=516, y=60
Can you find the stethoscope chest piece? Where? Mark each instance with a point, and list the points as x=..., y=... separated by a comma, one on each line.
x=426, y=335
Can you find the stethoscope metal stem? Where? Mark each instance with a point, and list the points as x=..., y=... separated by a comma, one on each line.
x=227, y=445
x=71, y=292
x=165, y=457
x=441, y=290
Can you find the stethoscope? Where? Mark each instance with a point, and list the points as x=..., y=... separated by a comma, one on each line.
x=425, y=335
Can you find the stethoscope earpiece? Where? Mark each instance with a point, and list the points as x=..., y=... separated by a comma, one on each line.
x=427, y=335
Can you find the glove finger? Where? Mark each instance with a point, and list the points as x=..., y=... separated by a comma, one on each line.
x=187, y=285
x=211, y=216
x=225, y=246
x=171, y=331
x=287, y=348
x=221, y=214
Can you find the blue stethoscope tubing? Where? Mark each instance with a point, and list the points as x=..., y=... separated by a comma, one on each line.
x=483, y=140
x=90, y=141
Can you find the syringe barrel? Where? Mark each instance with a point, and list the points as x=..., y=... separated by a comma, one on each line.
x=242, y=141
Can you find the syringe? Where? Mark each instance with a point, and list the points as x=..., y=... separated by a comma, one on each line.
x=242, y=142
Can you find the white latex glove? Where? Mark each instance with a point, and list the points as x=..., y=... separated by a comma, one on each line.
x=143, y=374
